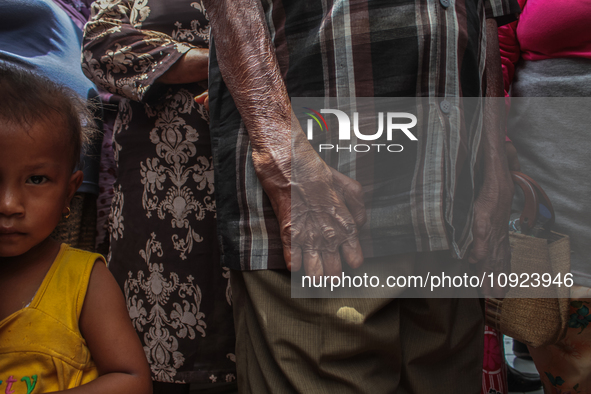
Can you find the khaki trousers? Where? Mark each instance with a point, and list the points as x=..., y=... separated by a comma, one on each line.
x=365, y=345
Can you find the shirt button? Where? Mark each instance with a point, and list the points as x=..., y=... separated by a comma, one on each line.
x=445, y=106
x=444, y=3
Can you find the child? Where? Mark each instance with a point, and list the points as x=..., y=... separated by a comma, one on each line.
x=64, y=325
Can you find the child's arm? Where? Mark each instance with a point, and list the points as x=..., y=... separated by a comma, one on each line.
x=113, y=343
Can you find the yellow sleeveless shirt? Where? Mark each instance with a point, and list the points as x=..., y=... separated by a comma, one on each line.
x=41, y=348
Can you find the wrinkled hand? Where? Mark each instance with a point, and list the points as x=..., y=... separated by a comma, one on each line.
x=490, y=249
x=326, y=212
x=327, y=206
x=319, y=212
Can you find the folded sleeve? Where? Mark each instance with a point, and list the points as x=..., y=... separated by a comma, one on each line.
x=122, y=57
x=504, y=11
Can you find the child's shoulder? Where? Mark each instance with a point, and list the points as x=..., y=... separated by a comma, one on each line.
x=76, y=265
x=68, y=278
x=79, y=254
x=77, y=259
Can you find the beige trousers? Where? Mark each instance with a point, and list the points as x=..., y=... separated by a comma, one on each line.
x=365, y=345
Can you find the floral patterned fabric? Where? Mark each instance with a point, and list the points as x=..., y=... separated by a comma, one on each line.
x=565, y=367
x=163, y=247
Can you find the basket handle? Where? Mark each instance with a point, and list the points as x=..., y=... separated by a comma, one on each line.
x=536, y=200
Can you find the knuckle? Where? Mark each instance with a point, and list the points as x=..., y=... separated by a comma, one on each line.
x=287, y=233
x=329, y=233
x=356, y=188
x=350, y=229
x=361, y=218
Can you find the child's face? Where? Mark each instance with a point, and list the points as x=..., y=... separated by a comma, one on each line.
x=36, y=184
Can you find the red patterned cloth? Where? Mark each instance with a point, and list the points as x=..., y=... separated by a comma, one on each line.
x=494, y=368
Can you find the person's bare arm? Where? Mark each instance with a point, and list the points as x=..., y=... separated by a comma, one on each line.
x=492, y=208
x=327, y=206
x=191, y=67
x=113, y=343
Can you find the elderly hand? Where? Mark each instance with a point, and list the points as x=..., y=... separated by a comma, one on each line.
x=327, y=207
x=319, y=209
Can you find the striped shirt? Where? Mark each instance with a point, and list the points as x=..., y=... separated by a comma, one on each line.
x=432, y=49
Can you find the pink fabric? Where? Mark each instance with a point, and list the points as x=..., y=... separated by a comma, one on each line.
x=546, y=29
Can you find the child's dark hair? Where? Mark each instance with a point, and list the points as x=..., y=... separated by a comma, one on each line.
x=27, y=98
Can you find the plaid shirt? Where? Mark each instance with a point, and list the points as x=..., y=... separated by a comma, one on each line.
x=433, y=49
